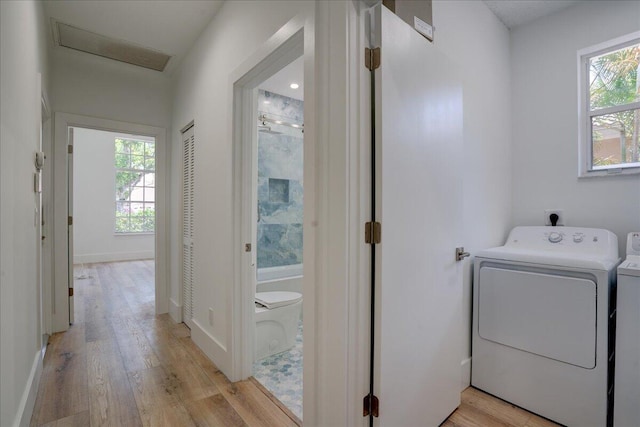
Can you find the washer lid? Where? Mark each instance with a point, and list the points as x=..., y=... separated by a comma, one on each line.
x=590, y=248
x=630, y=267
x=277, y=299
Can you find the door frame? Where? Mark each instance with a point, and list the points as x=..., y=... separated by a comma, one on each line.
x=47, y=218
x=289, y=46
x=62, y=121
x=44, y=280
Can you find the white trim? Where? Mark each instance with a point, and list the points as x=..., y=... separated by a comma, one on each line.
x=585, y=138
x=62, y=121
x=111, y=257
x=340, y=202
x=359, y=179
x=465, y=377
x=175, y=310
x=214, y=349
x=614, y=109
x=28, y=399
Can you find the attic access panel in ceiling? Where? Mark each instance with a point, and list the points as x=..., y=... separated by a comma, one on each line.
x=96, y=44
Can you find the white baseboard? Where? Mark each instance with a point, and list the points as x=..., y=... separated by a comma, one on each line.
x=213, y=348
x=175, y=311
x=465, y=378
x=28, y=399
x=112, y=256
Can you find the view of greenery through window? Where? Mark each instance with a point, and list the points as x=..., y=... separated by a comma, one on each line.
x=135, y=164
x=614, y=93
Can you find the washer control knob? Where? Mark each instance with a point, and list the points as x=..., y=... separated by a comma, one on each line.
x=577, y=238
x=555, y=237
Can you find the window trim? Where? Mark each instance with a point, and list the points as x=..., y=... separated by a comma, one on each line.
x=585, y=137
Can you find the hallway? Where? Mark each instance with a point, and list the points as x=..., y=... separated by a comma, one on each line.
x=121, y=365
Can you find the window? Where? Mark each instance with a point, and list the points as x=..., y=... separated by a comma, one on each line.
x=610, y=107
x=135, y=165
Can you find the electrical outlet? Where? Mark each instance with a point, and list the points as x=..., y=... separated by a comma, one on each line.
x=559, y=212
x=210, y=316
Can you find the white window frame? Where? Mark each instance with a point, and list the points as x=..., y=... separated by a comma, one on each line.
x=585, y=137
x=140, y=138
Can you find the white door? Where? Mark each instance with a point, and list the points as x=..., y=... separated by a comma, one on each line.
x=418, y=127
x=70, y=221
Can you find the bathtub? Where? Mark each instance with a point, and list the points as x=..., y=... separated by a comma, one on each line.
x=284, y=278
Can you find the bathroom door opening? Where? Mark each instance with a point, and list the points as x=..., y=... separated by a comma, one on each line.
x=279, y=203
x=269, y=126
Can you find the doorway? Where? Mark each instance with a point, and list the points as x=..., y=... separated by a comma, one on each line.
x=268, y=140
x=131, y=190
x=113, y=207
x=279, y=238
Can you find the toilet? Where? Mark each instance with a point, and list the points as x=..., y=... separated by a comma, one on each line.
x=277, y=316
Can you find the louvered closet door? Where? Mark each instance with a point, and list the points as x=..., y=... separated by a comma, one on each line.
x=187, y=224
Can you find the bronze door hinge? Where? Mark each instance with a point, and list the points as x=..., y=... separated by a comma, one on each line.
x=372, y=58
x=372, y=232
x=370, y=406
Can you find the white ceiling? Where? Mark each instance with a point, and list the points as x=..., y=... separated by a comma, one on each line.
x=170, y=27
x=280, y=82
x=517, y=12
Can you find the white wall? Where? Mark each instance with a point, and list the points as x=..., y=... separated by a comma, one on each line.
x=94, y=176
x=202, y=94
x=94, y=86
x=23, y=56
x=473, y=37
x=545, y=121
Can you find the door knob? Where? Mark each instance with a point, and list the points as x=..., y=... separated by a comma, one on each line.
x=461, y=254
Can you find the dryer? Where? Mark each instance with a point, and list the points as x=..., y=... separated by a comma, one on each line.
x=544, y=322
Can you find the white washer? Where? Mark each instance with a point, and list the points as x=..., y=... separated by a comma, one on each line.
x=627, y=396
x=541, y=337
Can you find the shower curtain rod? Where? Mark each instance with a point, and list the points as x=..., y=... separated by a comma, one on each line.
x=264, y=119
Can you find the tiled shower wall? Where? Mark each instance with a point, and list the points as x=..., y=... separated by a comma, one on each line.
x=280, y=182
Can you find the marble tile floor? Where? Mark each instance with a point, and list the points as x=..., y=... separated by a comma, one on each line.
x=281, y=374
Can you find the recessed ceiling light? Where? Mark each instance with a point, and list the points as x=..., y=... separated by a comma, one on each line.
x=294, y=85
x=278, y=122
x=267, y=102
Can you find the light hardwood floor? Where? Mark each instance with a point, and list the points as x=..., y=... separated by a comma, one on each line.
x=121, y=365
